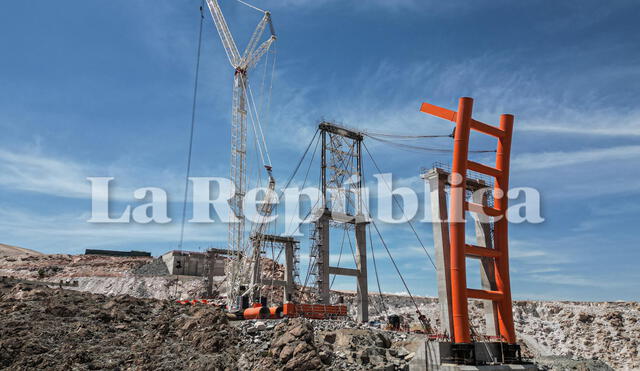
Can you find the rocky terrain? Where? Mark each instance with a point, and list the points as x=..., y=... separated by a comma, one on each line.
x=564, y=335
x=585, y=335
x=142, y=277
x=45, y=328
x=69, y=266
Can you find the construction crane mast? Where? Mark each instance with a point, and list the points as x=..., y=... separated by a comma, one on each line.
x=242, y=99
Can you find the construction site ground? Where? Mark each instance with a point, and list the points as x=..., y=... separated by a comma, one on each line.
x=120, y=316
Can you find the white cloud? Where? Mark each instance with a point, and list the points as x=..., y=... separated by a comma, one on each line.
x=596, y=122
x=569, y=279
x=546, y=160
x=35, y=172
x=49, y=174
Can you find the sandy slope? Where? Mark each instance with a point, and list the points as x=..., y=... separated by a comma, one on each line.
x=7, y=250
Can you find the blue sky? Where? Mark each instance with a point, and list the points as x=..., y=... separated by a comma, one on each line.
x=104, y=89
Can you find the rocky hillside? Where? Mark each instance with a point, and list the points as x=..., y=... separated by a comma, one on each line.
x=606, y=331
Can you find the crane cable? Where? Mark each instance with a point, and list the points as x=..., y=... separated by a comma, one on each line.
x=420, y=148
x=384, y=244
x=393, y=261
x=251, y=6
x=401, y=208
x=312, y=262
x=306, y=176
x=258, y=128
x=295, y=170
x=297, y=167
x=399, y=136
x=193, y=122
x=373, y=257
x=375, y=269
x=191, y=131
x=312, y=259
x=274, y=51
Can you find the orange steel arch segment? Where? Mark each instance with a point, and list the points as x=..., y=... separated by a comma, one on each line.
x=459, y=250
x=457, y=243
x=503, y=154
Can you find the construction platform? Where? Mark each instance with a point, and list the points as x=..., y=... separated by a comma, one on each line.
x=429, y=353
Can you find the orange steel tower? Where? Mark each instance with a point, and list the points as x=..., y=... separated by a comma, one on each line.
x=458, y=207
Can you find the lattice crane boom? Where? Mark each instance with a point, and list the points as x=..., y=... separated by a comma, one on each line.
x=223, y=30
x=241, y=64
x=255, y=38
x=264, y=47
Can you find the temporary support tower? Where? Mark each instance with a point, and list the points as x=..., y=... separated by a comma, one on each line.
x=459, y=249
x=279, y=243
x=341, y=172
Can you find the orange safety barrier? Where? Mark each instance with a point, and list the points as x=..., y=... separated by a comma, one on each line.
x=314, y=311
x=289, y=309
x=193, y=301
x=459, y=250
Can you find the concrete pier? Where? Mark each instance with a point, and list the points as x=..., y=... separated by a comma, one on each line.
x=428, y=358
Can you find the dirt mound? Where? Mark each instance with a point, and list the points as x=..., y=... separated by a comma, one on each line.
x=156, y=267
x=42, y=328
x=7, y=250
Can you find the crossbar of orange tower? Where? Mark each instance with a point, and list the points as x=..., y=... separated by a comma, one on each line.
x=458, y=206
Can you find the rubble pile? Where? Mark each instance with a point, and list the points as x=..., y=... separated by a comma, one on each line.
x=363, y=348
x=156, y=267
x=301, y=344
x=292, y=347
x=43, y=328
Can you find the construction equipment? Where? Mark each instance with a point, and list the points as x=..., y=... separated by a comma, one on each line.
x=242, y=103
x=393, y=322
x=257, y=235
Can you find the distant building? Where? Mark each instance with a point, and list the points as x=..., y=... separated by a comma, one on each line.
x=191, y=263
x=116, y=252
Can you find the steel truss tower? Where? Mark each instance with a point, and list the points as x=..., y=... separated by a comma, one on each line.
x=341, y=182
